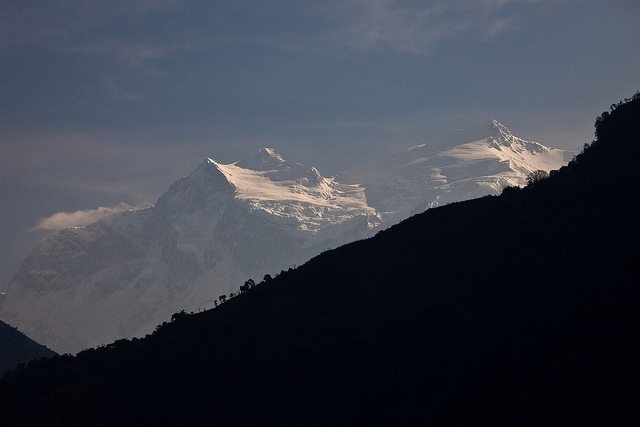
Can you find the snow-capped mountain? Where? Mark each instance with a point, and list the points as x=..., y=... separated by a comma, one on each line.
x=210, y=232
x=469, y=163
x=225, y=223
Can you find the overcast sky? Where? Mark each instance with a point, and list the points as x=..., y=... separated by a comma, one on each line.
x=105, y=103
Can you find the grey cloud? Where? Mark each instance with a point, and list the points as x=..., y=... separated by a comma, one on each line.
x=361, y=24
x=418, y=27
x=134, y=54
x=95, y=163
x=55, y=22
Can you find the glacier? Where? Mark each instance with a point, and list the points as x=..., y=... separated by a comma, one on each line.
x=225, y=223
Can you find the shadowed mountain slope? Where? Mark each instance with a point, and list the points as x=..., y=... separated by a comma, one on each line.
x=16, y=348
x=521, y=309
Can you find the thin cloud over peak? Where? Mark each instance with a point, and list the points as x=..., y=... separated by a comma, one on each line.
x=80, y=218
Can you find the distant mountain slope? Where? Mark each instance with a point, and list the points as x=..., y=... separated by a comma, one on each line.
x=16, y=348
x=473, y=162
x=224, y=224
x=207, y=234
x=522, y=309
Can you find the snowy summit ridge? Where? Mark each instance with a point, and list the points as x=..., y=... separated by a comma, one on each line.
x=225, y=223
x=473, y=162
x=296, y=193
x=266, y=159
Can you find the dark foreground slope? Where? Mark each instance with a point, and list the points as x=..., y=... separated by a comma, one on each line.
x=16, y=348
x=521, y=309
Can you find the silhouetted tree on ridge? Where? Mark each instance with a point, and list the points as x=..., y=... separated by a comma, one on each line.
x=537, y=176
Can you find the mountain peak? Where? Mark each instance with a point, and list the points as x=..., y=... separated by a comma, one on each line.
x=477, y=132
x=195, y=189
x=495, y=125
x=269, y=152
x=265, y=159
x=498, y=133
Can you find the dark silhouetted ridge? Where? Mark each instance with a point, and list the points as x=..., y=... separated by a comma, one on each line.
x=17, y=348
x=521, y=309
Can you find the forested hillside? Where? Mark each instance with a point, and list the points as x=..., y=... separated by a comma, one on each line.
x=521, y=309
x=16, y=348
